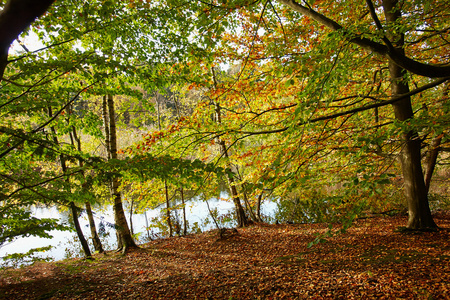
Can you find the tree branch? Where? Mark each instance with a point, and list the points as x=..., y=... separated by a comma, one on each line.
x=413, y=66
x=352, y=111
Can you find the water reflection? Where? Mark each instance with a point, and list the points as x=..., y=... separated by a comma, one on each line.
x=65, y=243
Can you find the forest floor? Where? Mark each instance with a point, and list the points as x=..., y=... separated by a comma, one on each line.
x=370, y=261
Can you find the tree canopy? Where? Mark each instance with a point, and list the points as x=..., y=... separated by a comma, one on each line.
x=334, y=109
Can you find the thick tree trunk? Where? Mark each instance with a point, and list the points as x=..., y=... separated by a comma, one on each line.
x=15, y=17
x=415, y=191
x=124, y=235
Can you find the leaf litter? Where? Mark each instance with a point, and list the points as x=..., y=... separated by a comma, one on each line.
x=369, y=261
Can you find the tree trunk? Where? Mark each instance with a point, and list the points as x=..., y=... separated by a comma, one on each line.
x=80, y=235
x=94, y=235
x=146, y=226
x=131, y=217
x=84, y=244
x=415, y=191
x=248, y=206
x=432, y=160
x=258, y=207
x=15, y=17
x=76, y=141
x=434, y=150
x=106, y=125
x=184, y=212
x=169, y=221
x=177, y=106
x=240, y=213
x=124, y=236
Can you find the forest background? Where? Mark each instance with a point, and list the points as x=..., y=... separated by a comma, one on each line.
x=335, y=109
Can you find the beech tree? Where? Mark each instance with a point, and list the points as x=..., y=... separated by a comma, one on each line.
x=327, y=93
x=313, y=41
x=125, y=240
x=389, y=41
x=80, y=53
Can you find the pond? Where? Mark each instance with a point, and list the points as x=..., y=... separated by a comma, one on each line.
x=65, y=243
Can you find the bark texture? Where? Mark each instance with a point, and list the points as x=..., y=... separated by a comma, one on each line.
x=410, y=157
x=123, y=231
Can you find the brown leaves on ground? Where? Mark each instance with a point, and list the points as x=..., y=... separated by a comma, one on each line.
x=260, y=262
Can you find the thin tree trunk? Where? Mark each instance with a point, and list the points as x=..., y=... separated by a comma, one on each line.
x=122, y=229
x=258, y=207
x=84, y=244
x=415, y=190
x=106, y=126
x=94, y=235
x=435, y=145
x=240, y=213
x=131, y=217
x=431, y=160
x=249, y=208
x=80, y=235
x=146, y=226
x=177, y=106
x=184, y=212
x=169, y=221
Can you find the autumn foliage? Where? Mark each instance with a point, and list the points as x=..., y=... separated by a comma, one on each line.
x=333, y=109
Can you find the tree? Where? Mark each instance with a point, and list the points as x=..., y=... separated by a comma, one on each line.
x=393, y=48
x=125, y=240
x=240, y=214
x=415, y=189
x=307, y=109
x=73, y=208
x=15, y=17
x=76, y=142
x=38, y=79
x=305, y=34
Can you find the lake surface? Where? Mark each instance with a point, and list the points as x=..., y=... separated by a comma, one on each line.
x=66, y=244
